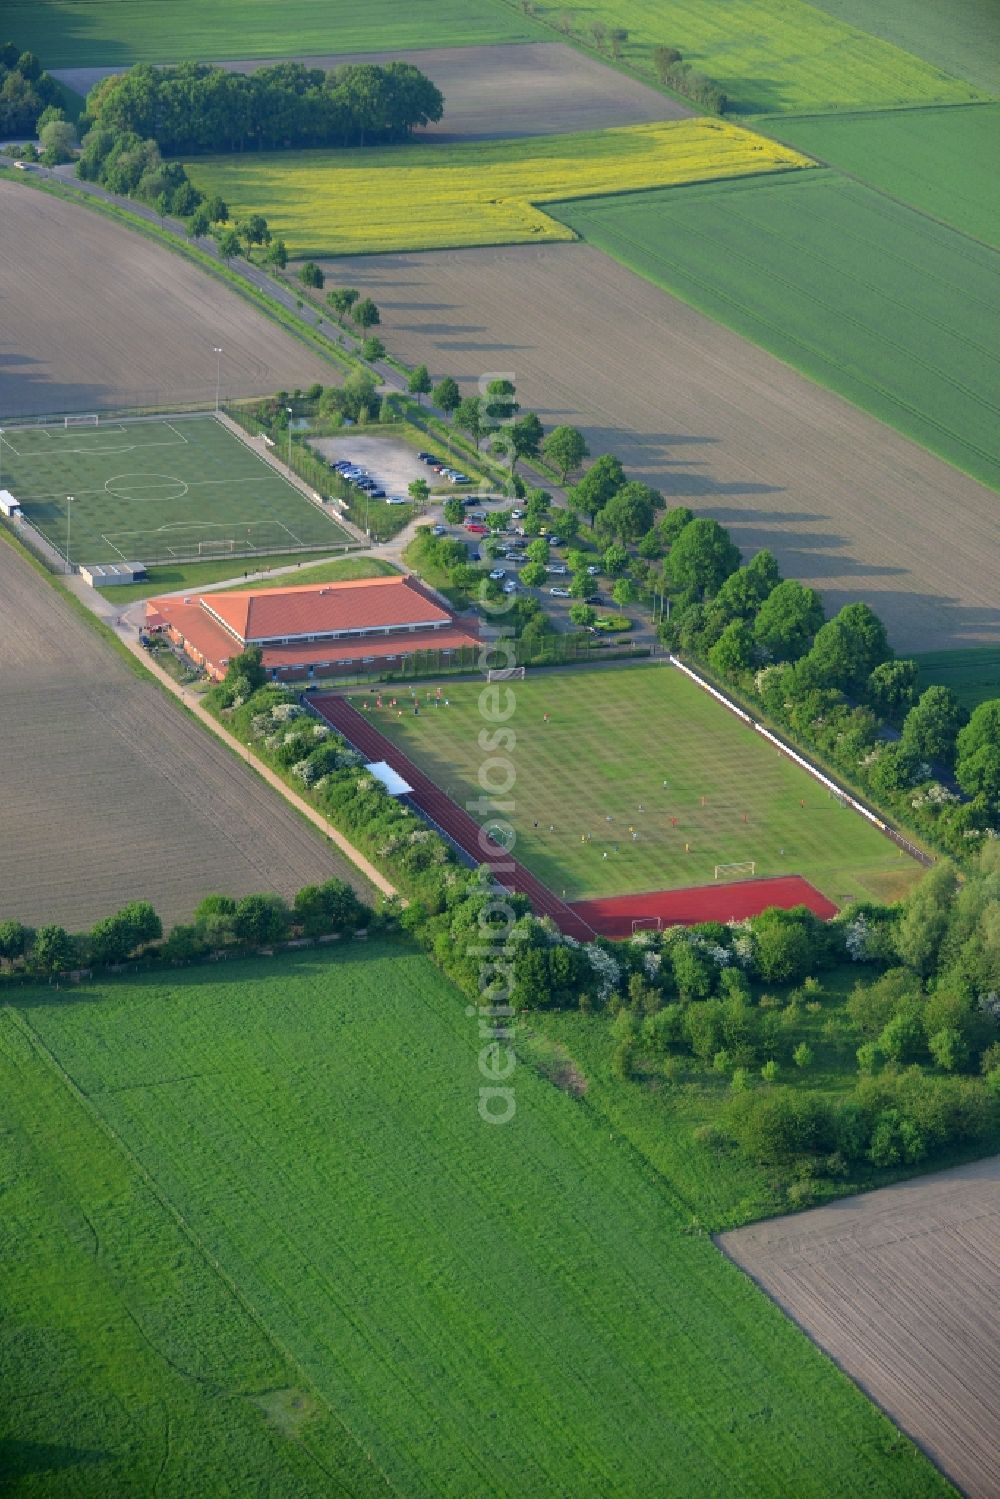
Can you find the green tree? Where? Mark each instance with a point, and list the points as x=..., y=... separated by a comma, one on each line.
x=732, y=653
x=311, y=275
x=365, y=314
x=420, y=492
x=949, y=1049
x=701, y=558
x=782, y=945
x=803, y=1056
x=254, y=230
x=218, y=212
x=15, y=940
x=629, y=513
x=261, y=919
x=582, y=614
x=847, y=650
x=923, y=926
x=469, y=418
x=230, y=245
x=664, y=58
x=372, y=349
x=565, y=449
x=419, y=383
x=931, y=727
x=533, y=575
x=787, y=620
x=446, y=396
x=342, y=299
x=603, y=479
x=51, y=951
x=743, y=592
x=538, y=551
x=892, y=688
x=623, y=592
x=583, y=586
x=526, y=437
x=277, y=254
x=614, y=560
x=331, y=907
x=453, y=510
x=977, y=757
x=499, y=405
x=58, y=142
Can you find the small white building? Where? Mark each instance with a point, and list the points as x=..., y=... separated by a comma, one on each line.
x=113, y=572
x=9, y=506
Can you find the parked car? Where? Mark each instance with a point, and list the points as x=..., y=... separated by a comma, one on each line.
x=560, y=593
x=459, y=478
x=557, y=569
x=555, y=541
x=396, y=499
x=517, y=515
x=593, y=571
x=426, y=457
x=498, y=574
x=380, y=494
x=477, y=529
x=439, y=530
x=510, y=586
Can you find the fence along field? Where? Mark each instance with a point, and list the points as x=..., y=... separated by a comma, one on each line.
x=486, y=1310
x=476, y=192
x=166, y=490
x=937, y=160
x=647, y=737
x=892, y=310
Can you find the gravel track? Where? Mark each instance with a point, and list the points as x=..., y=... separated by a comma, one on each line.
x=847, y=504
x=111, y=793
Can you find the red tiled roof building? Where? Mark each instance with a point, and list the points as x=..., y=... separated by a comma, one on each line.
x=317, y=629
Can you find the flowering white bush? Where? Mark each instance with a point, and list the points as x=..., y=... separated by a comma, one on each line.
x=856, y=939
x=989, y=1003
x=607, y=969
x=651, y=962
x=285, y=712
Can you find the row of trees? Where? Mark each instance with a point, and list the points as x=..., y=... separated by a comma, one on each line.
x=136, y=931
x=197, y=107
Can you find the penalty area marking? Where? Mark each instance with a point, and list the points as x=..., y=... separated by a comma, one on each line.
x=90, y=449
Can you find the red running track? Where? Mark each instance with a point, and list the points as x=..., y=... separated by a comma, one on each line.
x=613, y=917
x=462, y=829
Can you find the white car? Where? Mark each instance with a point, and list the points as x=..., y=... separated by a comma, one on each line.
x=510, y=586
x=440, y=530
x=396, y=499
x=593, y=571
x=498, y=574
x=560, y=593
x=517, y=515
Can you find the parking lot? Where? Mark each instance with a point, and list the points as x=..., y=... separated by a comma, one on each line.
x=391, y=463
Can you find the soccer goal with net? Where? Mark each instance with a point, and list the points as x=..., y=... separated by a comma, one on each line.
x=82, y=421
x=742, y=870
x=647, y=924
x=505, y=674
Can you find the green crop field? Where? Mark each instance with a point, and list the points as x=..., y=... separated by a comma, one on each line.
x=972, y=674
x=960, y=37
x=259, y=1219
x=611, y=740
x=938, y=160
x=158, y=491
x=429, y=196
x=772, y=55
x=890, y=309
x=92, y=33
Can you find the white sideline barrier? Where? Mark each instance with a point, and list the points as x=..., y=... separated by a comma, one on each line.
x=818, y=775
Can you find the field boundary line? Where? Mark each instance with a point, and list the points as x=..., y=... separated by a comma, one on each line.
x=74, y=1090
x=831, y=785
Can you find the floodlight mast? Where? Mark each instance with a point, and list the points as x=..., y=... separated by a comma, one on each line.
x=218, y=376
x=69, y=518
x=289, y=410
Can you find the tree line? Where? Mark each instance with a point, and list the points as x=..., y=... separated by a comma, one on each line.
x=197, y=107
x=135, y=933
x=25, y=91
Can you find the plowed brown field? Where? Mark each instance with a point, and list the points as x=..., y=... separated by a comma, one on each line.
x=95, y=317
x=900, y=1288
x=846, y=503
x=111, y=793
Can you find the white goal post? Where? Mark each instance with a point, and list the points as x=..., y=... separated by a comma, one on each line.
x=647, y=924
x=210, y=548
x=505, y=674
x=82, y=421
x=741, y=870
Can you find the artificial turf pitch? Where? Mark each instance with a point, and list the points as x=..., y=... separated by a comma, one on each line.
x=711, y=791
x=166, y=490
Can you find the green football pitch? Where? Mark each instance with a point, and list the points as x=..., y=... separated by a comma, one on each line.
x=643, y=750
x=169, y=490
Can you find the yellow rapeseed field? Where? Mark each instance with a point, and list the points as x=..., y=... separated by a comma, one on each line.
x=429, y=196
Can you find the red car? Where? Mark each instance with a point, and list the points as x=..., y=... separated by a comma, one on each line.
x=477, y=528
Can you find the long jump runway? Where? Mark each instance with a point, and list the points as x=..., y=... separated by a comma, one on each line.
x=453, y=821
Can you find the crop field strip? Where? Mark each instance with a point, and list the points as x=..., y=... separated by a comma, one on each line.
x=940, y=161
x=885, y=306
x=960, y=37
x=94, y=33
x=111, y=792
x=899, y=1287
x=157, y=491
x=351, y=1079
x=128, y=1365
x=474, y=193
x=495, y=92
x=134, y=325
x=846, y=504
x=611, y=741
